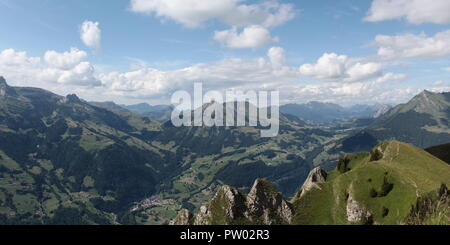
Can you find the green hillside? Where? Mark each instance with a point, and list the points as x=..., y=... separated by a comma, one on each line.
x=396, y=183
x=387, y=183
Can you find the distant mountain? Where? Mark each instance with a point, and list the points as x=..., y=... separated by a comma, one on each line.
x=330, y=112
x=424, y=122
x=160, y=113
x=111, y=106
x=394, y=184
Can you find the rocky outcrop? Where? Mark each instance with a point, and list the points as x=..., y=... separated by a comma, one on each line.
x=71, y=98
x=264, y=201
x=5, y=89
x=357, y=213
x=227, y=206
x=184, y=217
x=263, y=205
x=315, y=178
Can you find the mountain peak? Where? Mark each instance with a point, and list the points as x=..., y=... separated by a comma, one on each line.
x=72, y=98
x=428, y=101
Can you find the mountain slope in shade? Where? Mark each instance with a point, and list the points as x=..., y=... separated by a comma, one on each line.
x=424, y=122
x=395, y=183
x=441, y=151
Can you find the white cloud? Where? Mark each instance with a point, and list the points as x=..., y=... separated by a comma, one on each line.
x=277, y=57
x=440, y=89
x=413, y=46
x=271, y=72
x=91, y=34
x=447, y=69
x=250, y=37
x=223, y=74
x=347, y=93
x=66, y=60
x=414, y=11
x=10, y=57
x=249, y=22
x=391, y=77
x=340, y=68
x=57, y=68
x=194, y=13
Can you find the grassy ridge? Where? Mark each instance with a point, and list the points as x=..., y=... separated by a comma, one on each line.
x=388, y=187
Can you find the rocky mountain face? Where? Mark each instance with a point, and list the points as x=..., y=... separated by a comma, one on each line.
x=395, y=183
x=424, y=122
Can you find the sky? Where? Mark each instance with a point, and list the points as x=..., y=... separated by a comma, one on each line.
x=132, y=51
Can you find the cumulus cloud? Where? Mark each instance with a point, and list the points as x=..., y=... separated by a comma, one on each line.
x=340, y=68
x=11, y=58
x=249, y=22
x=414, y=11
x=347, y=93
x=91, y=34
x=277, y=57
x=250, y=37
x=388, y=77
x=57, y=68
x=413, y=46
x=69, y=72
x=222, y=74
x=440, y=89
x=194, y=13
x=66, y=60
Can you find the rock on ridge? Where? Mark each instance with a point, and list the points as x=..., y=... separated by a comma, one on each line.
x=264, y=201
x=5, y=89
x=357, y=213
x=184, y=217
x=315, y=177
x=263, y=205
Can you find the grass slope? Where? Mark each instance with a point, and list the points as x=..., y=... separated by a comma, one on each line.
x=387, y=184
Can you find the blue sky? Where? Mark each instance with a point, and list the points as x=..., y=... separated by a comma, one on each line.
x=142, y=50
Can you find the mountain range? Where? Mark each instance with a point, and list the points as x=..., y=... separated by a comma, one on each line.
x=68, y=161
x=314, y=112
x=64, y=160
x=320, y=112
x=423, y=122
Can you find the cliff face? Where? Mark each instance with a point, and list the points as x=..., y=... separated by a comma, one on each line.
x=395, y=183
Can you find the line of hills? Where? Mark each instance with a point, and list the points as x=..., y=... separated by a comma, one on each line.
x=64, y=160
